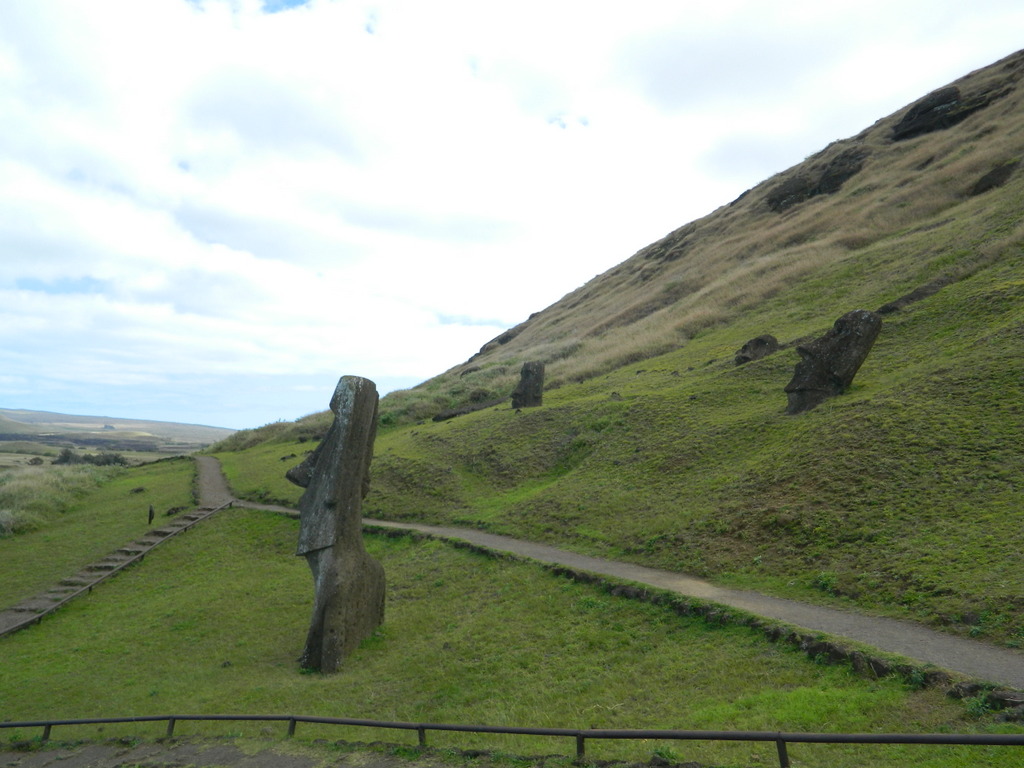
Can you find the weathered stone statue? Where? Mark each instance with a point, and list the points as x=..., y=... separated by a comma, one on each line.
x=828, y=364
x=756, y=348
x=348, y=584
x=529, y=393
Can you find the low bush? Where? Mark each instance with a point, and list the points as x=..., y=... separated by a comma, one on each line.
x=29, y=496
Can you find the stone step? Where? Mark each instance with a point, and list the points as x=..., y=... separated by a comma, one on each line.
x=23, y=613
x=34, y=606
x=103, y=567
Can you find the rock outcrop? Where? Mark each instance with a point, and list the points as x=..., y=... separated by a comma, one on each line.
x=943, y=109
x=817, y=180
x=995, y=178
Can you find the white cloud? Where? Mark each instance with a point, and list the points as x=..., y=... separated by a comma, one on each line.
x=209, y=211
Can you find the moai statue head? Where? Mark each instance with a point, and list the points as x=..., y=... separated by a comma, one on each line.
x=829, y=363
x=529, y=393
x=756, y=348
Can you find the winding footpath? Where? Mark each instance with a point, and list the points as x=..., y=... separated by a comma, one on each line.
x=975, y=659
x=972, y=658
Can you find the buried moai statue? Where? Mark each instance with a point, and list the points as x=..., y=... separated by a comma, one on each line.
x=348, y=584
x=529, y=393
x=756, y=348
x=829, y=363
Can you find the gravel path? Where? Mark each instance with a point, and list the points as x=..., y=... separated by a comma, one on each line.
x=975, y=659
x=217, y=753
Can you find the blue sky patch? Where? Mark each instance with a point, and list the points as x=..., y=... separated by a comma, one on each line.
x=273, y=6
x=62, y=285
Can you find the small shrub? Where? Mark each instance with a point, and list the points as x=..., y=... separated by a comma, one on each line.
x=106, y=459
x=31, y=495
x=978, y=706
x=667, y=754
x=12, y=522
x=827, y=581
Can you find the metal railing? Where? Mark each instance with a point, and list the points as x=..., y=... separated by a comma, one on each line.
x=780, y=739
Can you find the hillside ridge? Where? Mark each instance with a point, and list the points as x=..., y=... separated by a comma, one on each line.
x=900, y=497
x=714, y=269
x=61, y=429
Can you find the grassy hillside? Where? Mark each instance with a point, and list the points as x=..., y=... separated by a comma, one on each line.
x=908, y=206
x=213, y=622
x=902, y=496
x=72, y=516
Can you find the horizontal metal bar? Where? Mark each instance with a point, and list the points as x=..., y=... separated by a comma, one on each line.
x=826, y=738
x=992, y=739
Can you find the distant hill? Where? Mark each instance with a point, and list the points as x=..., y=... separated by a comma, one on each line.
x=105, y=433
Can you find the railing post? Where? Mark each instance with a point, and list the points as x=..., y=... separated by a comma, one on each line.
x=421, y=733
x=291, y=727
x=581, y=750
x=170, y=727
x=46, y=731
x=783, y=754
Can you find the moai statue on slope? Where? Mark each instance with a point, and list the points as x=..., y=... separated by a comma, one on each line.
x=756, y=348
x=529, y=393
x=348, y=584
x=828, y=364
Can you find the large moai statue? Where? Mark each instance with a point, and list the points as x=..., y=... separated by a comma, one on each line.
x=348, y=584
x=529, y=393
x=829, y=363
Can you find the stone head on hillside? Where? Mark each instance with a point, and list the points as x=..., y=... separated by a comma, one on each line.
x=756, y=348
x=829, y=363
x=529, y=392
x=348, y=584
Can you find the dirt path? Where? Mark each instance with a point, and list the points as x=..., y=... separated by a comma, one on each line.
x=222, y=753
x=975, y=659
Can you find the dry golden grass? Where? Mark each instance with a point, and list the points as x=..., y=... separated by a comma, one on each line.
x=711, y=271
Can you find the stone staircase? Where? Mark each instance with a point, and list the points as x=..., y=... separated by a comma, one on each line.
x=34, y=609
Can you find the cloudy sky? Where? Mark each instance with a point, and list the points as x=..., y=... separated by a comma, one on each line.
x=212, y=209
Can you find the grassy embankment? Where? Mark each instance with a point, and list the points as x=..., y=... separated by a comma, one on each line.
x=76, y=515
x=213, y=623
x=901, y=497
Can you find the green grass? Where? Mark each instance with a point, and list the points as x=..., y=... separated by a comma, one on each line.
x=78, y=527
x=258, y=473
x=906, y=490
x=32, y=496
x=213, y=622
